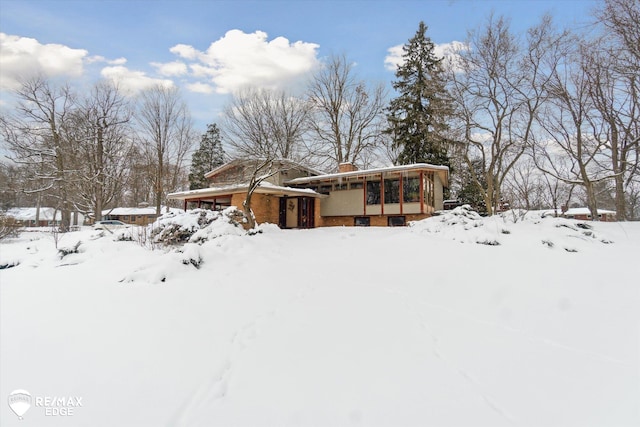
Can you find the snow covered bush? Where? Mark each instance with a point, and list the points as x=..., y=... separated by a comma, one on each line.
x=196, y=226
x=191, y=255
x=8, y=227
x=461, y=218
x=68, y=250
x=464, y=225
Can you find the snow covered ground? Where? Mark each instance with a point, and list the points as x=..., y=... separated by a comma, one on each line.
x=455, y=321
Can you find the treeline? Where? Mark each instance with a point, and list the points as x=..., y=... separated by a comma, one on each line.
x=540, y=119
x=102, y=149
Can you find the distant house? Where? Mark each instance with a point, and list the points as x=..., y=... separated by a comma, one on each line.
x=300, y=197
x=47, y=217
x=138, y=216
x=584, y=214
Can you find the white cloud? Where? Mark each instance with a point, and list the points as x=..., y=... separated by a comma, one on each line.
x=22, y=56
x=200, y=87
x=450, y=52
x=132, y=81
x=175, y=68
x=99, y=58
x=199, y=70
x=185, y=51
x=394, y=59
x=239, y=59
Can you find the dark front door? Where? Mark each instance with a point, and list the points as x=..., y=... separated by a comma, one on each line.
x=306, y=212
x=282, y=217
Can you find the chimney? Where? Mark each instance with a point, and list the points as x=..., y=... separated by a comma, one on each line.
x=347, y=167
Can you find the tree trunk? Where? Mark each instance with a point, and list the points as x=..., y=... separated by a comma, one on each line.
x=62, y=182
x=99, y=187
x=591, y=200
x=618, y=170
x=158, y=191
x=489, y=194
x=246, y=207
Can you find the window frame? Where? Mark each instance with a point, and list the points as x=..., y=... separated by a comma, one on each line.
x=373, y=196
x=401, y=223
x=362, y=221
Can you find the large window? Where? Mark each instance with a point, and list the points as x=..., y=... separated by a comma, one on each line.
x=411, y=189
x=373, y=192
x=392, y=190
x=340, y=186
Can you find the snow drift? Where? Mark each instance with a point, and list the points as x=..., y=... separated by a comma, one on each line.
x=333, y=327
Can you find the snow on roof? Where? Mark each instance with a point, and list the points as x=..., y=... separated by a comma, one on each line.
x=29, y=214
x=586, y=211
x=264, y=188
x=129, y=211
x=136, y=211
x=415, y=166
x=240, y=161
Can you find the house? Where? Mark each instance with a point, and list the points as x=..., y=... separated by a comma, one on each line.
x=584, y=214
x=300, y=197
x=138, y=216
x=47, y=217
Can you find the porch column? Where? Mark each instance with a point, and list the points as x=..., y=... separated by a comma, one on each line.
x=421, y=192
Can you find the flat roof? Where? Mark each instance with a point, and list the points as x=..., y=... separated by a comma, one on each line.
x=376, y=171
x=264, y=188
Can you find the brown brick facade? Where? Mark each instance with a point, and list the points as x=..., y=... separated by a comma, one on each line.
x=265, y=207
x=375, y=220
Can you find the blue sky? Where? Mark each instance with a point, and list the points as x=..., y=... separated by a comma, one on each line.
x=210, y=48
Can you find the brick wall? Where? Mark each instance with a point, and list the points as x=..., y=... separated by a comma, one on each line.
x=375, y=220
x=265, y=208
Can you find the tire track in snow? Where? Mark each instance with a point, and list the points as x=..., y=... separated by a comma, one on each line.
x=475, y=385
x=215, y=387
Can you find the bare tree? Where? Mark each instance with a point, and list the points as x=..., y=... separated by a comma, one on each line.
x=100, y=128
x=615, y=117
x=35, y=135
x=525, y=186
x=347, y=116
x=166, y=134
x=558, y=193
x=622, y=18
x=567, y=119
x=140, y=178
x=612, y=67
x=261, y=123
x=499, y=86
x=261, y=127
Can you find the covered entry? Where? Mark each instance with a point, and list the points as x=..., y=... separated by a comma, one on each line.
x=297, y=212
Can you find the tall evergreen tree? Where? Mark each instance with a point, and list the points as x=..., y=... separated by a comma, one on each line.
x=209, y=155
x=418, y=116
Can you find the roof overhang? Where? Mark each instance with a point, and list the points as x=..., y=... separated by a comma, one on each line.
x=264, y=188
x=442, y=171
x=283, y=164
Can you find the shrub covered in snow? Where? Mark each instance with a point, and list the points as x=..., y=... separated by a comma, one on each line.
x=464, y=225
x=196, y=226
x=462, y=217
x=68, y=250
x=9, y=227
